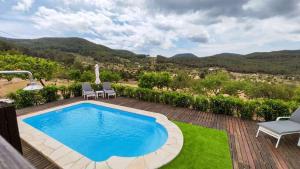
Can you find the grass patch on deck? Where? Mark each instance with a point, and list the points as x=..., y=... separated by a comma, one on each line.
x=203, y=148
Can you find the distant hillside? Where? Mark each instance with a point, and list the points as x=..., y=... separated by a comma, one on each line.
x=276, y=62
x=66, y=49
x=286, y=62
x=184, y=55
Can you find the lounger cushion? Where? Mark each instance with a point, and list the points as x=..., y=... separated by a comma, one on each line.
x=110, y=91
x=281, y=127
x=89, y=93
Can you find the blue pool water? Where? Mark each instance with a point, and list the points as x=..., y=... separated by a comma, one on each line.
x=99, y=132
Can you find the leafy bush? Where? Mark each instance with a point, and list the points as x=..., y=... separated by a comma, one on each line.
x=65, y=92
x=87, y=76
x=167, y=97
x=180, y=81
x=212, y=83
x=146, y=94
x=248, y=109
x=147, y=80
x=24, y=98
x=270, y=91
x=130, y=92
x=74, y=74
x=97, y=87
x=41, y=68
x=293, y=105
x=296, y=96
x=49, y=93
x=76, y=89
x=162, y=79
x=234, y=87
x=225, y=105
x=267, y=109
x=120, y=89
x=201, y=103
x=182, y=100
x=152, y=79
x=109, y=76
x=271, y=109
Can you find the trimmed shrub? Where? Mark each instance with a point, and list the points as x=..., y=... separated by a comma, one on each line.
x=167, y=97
x=225, y=105
x=130, y=92
x=271, y=109
x=49, y=93
x=152, y=79
x=65, y=92
x=182, y=100
x=293, y=105
x=144, y=94
x=109, y=76
x=87, y=76
x=248, y=109
x=147, y=80
x=97, y=87
x=120, y=89
x=200, y=103
x=24, y=98
x=76, y=89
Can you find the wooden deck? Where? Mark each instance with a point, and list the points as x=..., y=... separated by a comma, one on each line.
x=246, y=150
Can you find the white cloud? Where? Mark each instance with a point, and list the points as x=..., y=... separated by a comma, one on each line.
x=129, y=28
x=23, y=5
x=208, y=29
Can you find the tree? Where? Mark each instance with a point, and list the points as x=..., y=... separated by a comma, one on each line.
x=153, y=79
x=87, y=76
x=162, y=79
x=74, y=74
x=41, y=68
x=181, y=80
x=147, y=80
x=109, y=76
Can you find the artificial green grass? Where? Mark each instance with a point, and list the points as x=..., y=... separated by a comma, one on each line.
x=203, y=148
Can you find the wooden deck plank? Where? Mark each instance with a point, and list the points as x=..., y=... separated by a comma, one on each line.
x=247, y=151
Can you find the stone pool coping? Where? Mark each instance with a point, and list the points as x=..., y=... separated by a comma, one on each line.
x=66, y=157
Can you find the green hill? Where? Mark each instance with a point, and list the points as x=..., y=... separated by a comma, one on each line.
x=65, y=50
x=276, y=62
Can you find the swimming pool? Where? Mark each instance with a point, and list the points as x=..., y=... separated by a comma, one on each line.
x=93, y=134
x=99, y=132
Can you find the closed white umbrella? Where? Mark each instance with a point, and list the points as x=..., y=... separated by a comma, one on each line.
x=97, y=81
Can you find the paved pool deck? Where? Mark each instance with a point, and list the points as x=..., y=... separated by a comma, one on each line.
x=66, y=158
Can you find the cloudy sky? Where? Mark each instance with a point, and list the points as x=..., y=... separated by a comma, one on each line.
x=167, y=27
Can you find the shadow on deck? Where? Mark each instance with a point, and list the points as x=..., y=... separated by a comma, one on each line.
x=246, y=150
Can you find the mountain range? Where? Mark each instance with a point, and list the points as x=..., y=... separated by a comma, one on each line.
x=65, y=50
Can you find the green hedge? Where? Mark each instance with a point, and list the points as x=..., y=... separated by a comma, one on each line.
x=201, y=103
x=271, y=109
x=65, y=92
x=267, y=109
x=76, y=89
x=50, y=93
x=26, y=98
x=225, y=105
x=228, y=105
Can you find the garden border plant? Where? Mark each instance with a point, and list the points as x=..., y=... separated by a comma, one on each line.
x=267, y=109
x=262, y=109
